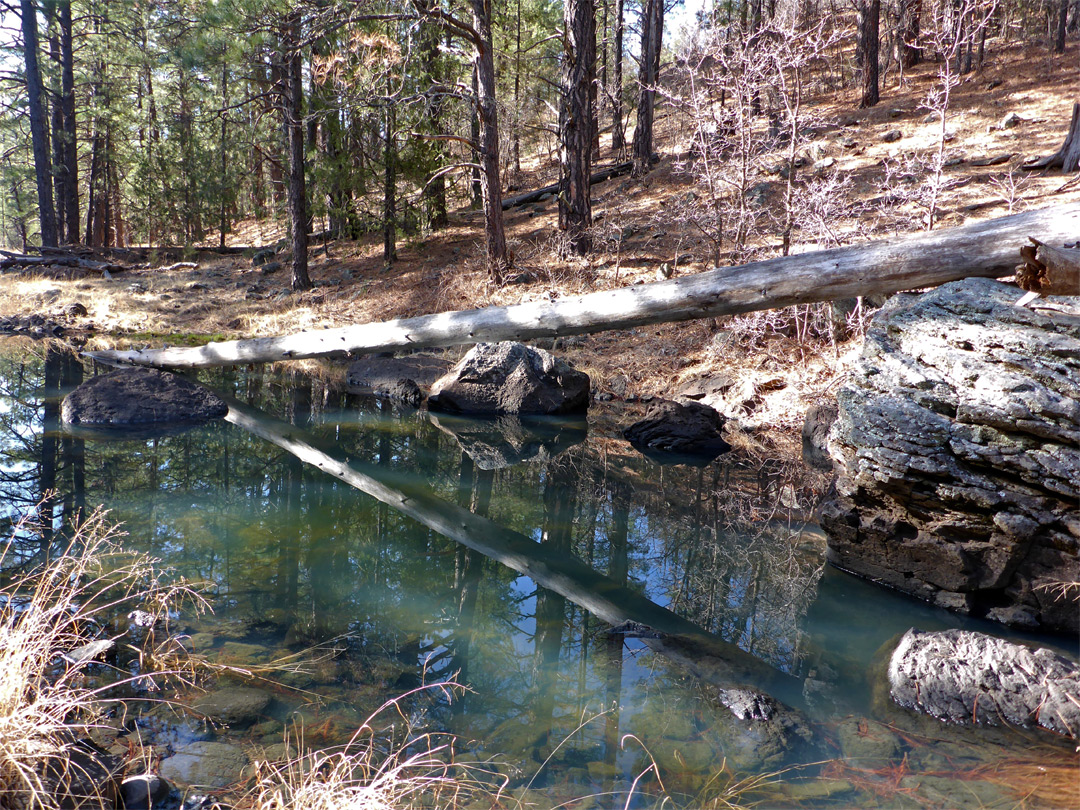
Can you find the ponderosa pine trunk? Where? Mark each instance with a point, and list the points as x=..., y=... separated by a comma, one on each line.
x=435, y=190
x=487, y=114
x=907, y=33
x=652, y=32
x=70, y=140
x=293, y=94
x=1063, y=18
x=576, y=123
x=618, y=139
x=869, y=15
x=56, y=124
x=39, y=132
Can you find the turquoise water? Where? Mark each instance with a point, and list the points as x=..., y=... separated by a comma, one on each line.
x=419, y=563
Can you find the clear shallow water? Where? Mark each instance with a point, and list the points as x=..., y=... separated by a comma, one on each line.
x=294, y=557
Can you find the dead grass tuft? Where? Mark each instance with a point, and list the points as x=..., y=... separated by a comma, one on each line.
x=55, y=615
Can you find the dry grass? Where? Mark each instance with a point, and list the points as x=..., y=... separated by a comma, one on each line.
x=48, y=614
x=372, y=773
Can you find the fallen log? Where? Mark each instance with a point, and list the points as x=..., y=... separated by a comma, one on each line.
x=924, y=260
x=678, y=638
x=11, y=260
x=596, y=177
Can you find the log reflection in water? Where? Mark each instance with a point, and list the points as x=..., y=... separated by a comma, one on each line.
x=705, y=654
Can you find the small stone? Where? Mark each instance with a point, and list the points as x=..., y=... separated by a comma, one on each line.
x=824, y=163
x=892, y=136
x=270, y=268
x=895, y=113
x=1011, y=120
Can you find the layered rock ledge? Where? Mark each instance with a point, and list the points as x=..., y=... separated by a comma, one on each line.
x=957, y=445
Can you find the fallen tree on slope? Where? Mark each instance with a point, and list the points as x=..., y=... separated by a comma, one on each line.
x=986, y=249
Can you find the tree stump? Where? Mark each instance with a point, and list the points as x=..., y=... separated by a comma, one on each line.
x=1068, y=156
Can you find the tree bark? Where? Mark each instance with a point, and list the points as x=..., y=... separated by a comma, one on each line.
x=652, y=32
x=869, y=15
x=575, y=122
x=294, y=121
x=39, y=133
x=56, y=115
x=922, y=260
x=498, y=256
x=435, y=190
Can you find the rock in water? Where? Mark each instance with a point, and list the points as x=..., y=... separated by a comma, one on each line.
x=508, y=377
x=965, y=677
x=679, y=428
x=957, y=446
x=140, y=397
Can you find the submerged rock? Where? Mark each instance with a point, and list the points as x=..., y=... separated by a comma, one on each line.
x=510, y=378
x=135, y=398
x=679, y=429
x=205, y=764
x=234, y=706
x=964, y=677
x=144, y=792
x=957, y=445
x=764, y=733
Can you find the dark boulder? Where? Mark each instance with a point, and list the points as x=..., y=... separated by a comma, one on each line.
x=510, y=378
x=679, y=430
x=140, y=397
x=957, y=445
x=963, y=677
x=144, y=791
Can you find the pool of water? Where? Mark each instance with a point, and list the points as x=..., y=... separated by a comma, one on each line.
x=499, y=555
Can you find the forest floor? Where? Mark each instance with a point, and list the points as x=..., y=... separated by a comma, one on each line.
x=642, y=224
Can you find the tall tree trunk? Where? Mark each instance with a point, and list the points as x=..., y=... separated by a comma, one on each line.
x=869, y=14
x=474, y=134
x=1062, y=21
x=70, y=141
x=499, y=259
x=59, y=165
x=652, y=32
x=576, y=123
x=39, y=132
x=907, y=34
x=223, y=183
x=435, y=190
x=618, y=141
x=293, y=93
x=389, y=188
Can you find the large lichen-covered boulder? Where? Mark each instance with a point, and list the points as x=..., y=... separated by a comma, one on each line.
x=138, y=398
x=510, y=378
x=957, y=445
x=963, y=677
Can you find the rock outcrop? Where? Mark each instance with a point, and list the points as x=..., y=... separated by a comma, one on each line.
x=687, y=429
x=963, y=677
x=135, y=398
x=957, y=445
x=510, y=378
